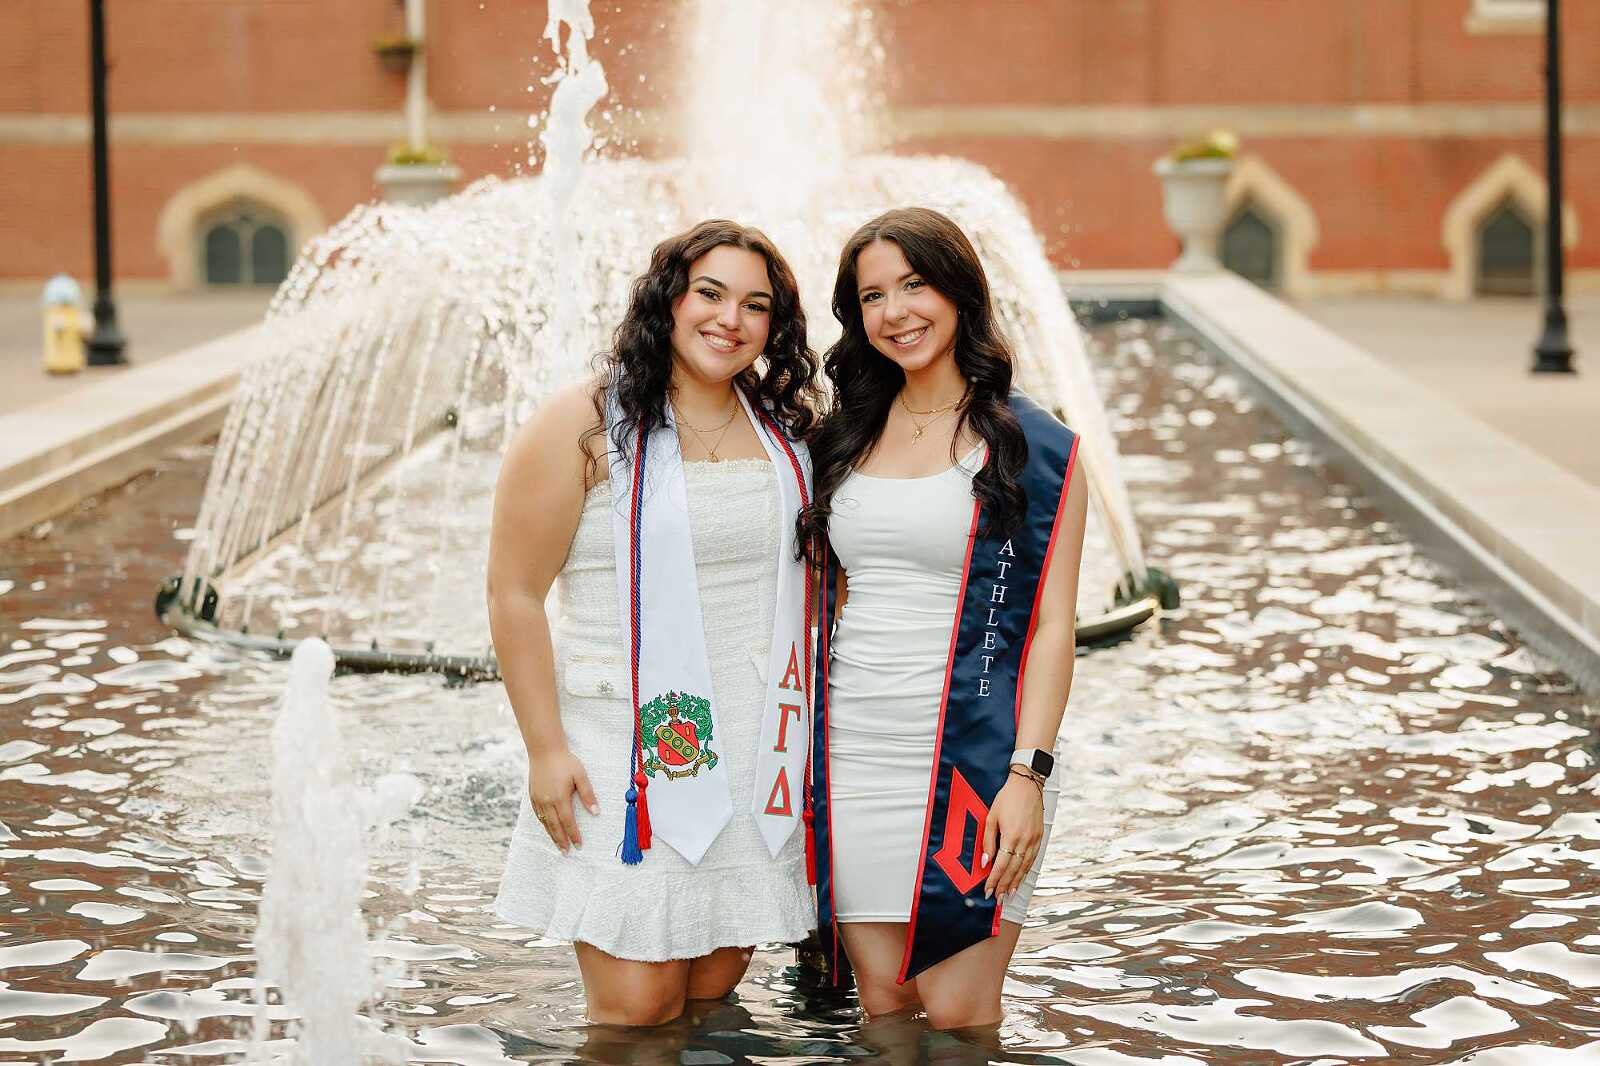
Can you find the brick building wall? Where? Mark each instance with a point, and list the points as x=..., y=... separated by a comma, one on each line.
x=1366, y=120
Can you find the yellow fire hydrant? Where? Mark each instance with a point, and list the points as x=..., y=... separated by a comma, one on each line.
x=65, y=325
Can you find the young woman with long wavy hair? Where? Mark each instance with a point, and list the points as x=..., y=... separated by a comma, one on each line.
x=663, y=496
x=954, y=528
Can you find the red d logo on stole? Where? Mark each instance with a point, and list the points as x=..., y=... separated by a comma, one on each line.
x=964, y=804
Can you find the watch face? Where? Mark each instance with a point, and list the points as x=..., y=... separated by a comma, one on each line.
x=1042, y=763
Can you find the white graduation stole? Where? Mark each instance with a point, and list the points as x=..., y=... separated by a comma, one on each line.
x=778, y=801
x=678, y=774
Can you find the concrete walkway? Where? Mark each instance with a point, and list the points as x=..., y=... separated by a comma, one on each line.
x=65, y=438
x=156, y=327
x=1477, y=355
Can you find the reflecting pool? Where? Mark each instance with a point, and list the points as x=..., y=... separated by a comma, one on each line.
x=1329, y=811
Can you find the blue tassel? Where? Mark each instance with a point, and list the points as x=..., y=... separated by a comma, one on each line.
x=631, y=854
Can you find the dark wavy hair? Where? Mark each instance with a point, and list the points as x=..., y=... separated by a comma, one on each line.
x=866, y=382
x=639, y=362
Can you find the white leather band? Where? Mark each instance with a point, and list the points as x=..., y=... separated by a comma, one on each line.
x=1024, y=757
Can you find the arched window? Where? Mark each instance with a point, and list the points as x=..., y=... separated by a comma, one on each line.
x=244, y=244
x=1251, y=246
x=1506, y=252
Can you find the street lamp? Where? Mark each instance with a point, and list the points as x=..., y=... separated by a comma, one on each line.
x=106, y=343
x=1553, y=353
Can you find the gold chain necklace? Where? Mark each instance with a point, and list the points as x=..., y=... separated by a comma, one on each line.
x=937, y=413
x=711, y=451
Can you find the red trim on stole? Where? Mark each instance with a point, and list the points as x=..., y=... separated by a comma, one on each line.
x=938, y=744
x=1033, y=620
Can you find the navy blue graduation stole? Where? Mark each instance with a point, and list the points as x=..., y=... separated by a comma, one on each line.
x=978, y=711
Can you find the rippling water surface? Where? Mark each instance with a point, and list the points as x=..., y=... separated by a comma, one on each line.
x=1329, y=811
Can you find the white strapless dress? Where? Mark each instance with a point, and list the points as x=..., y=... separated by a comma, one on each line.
x=903, y=545
x=664, y=908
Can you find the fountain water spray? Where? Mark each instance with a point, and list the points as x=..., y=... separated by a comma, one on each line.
x=773, y=108
x=352, y=487
x=311, y=939
x=580, y=83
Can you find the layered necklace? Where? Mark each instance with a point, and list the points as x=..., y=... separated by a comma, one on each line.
x=937, y=413
x=721, y=431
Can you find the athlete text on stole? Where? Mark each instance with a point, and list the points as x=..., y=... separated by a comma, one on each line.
x=991, y=632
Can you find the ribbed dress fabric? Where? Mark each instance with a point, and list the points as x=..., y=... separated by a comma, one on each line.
x=664, y=908
x=903, y=545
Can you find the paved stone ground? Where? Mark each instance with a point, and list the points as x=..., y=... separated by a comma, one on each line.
x=1476, y=355
x=156, y=327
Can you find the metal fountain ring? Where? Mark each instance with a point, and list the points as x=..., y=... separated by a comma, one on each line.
x=1138, y=600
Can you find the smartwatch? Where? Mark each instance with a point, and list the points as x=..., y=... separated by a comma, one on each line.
x=1038, y=760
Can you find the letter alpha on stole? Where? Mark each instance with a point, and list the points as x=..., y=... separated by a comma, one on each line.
x=792, y=672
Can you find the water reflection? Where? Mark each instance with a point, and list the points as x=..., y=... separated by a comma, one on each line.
x=1331, y=811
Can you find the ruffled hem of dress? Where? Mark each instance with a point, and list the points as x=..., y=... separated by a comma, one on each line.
x=631, y=915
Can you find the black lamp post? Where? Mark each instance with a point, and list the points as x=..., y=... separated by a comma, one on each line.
x=106, y=343
x=1553, y=353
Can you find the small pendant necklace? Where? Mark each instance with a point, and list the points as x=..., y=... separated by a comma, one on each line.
x=937, y=413
x=711, y=450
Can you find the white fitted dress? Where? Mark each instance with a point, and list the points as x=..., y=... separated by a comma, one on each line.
x=738, y=894
x=903, y=545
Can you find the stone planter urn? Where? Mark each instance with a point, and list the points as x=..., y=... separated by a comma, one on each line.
x=1196, y=206
x=417, y=183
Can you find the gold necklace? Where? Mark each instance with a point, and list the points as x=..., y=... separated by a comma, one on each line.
x=936, y=410
x=711, y=451
x=937, y=413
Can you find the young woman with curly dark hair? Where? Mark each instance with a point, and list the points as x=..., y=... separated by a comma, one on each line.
x=668, y=700
x=948, y=527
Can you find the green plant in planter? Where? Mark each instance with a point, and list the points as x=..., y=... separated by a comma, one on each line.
x=1218, y=144
x=404, y=155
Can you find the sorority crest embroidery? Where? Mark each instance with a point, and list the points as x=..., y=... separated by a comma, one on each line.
x=679, y=724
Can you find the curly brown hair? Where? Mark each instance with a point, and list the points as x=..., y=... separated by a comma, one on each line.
x=639, y=362
x=865, y=382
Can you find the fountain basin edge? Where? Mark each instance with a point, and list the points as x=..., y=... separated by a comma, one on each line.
x=1510, y=523
x=194, y=618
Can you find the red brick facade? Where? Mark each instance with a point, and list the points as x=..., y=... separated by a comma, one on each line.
x=1377, y=113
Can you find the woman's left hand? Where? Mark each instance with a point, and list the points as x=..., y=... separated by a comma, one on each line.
x=1012, y=834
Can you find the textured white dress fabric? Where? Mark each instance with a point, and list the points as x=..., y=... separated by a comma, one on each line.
x=664, y=908
x=903, y=545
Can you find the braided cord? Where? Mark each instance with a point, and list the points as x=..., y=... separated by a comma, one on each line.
x=636, y=565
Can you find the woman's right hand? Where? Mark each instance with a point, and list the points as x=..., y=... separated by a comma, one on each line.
x=553, y=776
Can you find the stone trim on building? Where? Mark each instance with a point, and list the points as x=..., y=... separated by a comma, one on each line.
x=178, y=225
x=1254, y=179
x=1509, y=177
x=1099, y=122
x=1326, y=284
x=1506, y=16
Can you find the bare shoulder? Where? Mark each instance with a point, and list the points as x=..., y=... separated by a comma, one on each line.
x=569, y=411
x=1078, y=493
x=556, y=435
